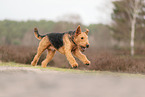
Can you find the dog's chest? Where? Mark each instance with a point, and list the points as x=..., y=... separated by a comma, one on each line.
x=56, y=39
x=73, y=48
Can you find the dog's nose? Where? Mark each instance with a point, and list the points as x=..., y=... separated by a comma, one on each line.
x=87, y=45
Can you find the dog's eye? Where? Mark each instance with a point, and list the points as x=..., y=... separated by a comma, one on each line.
x=82, y=37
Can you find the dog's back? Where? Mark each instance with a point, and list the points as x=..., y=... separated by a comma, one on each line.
x=56, y=39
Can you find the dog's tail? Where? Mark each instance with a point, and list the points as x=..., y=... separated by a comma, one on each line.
x=37, y=35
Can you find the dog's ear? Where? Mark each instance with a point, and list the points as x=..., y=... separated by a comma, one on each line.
x=78, y=31
x=87, y=30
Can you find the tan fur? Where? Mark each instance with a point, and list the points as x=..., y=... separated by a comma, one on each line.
x=36, y=34
x=43, y=45
x=49, y=56
x=81, y=56
x=67, y=49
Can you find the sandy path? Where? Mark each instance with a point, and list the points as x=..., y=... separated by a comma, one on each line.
x=27, y=82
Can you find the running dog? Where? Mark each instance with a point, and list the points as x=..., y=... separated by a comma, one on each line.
x=67, y=43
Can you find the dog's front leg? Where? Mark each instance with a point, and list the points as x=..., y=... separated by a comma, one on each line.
x=71, y=59
x=81, y=57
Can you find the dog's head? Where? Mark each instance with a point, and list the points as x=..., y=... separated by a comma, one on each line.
x=81, y=38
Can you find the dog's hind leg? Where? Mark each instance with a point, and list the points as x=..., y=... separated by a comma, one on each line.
x=49, y=56
x=44, y=43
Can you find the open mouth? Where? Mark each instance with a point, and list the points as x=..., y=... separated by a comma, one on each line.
x=83, y=48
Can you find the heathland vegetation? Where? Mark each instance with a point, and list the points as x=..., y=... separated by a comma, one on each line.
x=109, y=44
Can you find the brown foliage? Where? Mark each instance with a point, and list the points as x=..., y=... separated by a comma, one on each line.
x=100, y=60
x=111, y=62
x=19, y=54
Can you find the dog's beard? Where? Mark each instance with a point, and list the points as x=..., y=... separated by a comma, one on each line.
x=82, y=48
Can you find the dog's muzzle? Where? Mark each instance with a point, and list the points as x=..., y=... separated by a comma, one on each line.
x=83, y=48
x=87, y=46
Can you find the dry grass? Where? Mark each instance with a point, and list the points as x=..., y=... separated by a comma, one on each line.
x=101, y=60
x=109, y=62
x=19, y=54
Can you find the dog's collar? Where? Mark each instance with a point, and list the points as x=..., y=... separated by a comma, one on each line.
x=74, y=42
x=72, y=39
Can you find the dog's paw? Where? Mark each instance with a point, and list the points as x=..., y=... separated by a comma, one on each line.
x=87, y=62
x=33, y=63
x=74, y=65
x=44, y=66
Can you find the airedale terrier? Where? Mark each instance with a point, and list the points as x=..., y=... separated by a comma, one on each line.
x=67, y=43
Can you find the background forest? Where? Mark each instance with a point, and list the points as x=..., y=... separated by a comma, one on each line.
x=111, y=44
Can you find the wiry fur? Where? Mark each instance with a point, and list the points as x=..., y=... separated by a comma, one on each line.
x=37, y=35
x=56, y=39
x=68, y=43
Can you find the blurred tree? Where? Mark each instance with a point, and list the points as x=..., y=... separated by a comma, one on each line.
x=21, y=33
x=129, y=17
x=100, y=36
